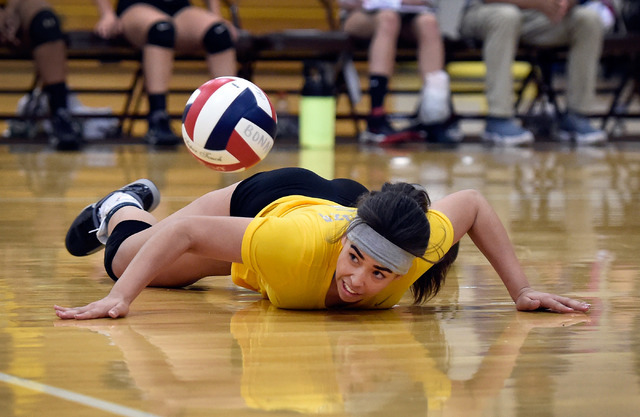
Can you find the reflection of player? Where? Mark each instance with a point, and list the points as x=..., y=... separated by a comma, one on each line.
x=389, y=362
x=366, y=362
x=158, y=361
x=367, y=368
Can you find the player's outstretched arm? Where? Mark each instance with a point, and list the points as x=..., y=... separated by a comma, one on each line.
x=470, y=213
x=212, y=237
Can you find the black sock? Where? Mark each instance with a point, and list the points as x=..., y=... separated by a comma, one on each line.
x=377, y=89
x=157, y=102
x=57, y=94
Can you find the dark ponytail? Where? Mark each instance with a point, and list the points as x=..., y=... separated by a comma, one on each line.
x=397, y=212
x=430, y=283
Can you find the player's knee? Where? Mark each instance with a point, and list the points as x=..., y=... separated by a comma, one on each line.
x=163, y=34
x=44, y=28
x=217, y=39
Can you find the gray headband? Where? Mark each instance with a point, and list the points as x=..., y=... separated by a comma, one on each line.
x=378, y=247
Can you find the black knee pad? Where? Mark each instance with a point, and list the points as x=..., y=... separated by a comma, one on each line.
x=163, y=34
x=217, y=39
x=119, y=234
x=44, y=27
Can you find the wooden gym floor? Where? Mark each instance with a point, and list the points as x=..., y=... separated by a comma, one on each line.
x=216, y=350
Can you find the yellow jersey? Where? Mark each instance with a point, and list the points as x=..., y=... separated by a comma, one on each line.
x=290, y=251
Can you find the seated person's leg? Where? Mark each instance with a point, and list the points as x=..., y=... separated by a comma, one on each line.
x=583, y=31
x=383, y=29
x=44, y=36
x=153, y=31
x=497, y=25
x=199, y=30
x=435, y=104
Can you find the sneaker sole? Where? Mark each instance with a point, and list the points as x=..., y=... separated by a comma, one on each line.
x=508, y=141
x=368, y=138
x=596, y=138
x=155, y=193
x=401, y=137
x=65, y=144
x=81, y=238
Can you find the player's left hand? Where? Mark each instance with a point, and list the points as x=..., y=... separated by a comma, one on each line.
x=530, y=299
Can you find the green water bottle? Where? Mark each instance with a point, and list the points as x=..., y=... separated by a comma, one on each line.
x=317, y=108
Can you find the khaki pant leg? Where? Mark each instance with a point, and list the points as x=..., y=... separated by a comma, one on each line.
x=583, y=33
x=497, y=25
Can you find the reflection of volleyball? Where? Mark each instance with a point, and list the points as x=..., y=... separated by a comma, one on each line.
x=229, y=124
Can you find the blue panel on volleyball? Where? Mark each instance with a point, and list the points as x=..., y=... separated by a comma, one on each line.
x=224, y=128
x=186, y=112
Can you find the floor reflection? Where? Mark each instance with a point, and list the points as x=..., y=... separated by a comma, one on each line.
x=215, y=350
x=318, y=363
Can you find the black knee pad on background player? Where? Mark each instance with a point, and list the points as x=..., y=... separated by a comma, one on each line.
x=217, y=39
x=44, y=27
x=163, y=34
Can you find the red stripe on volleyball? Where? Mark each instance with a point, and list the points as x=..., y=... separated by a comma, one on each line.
x=206, y=90
x=239, y=148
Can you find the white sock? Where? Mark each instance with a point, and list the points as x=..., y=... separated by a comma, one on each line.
x=436, y=94
x=114, y=202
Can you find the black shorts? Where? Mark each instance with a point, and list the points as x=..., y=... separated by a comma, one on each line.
x=260, y=190
x=406, y=27
x=170, y=7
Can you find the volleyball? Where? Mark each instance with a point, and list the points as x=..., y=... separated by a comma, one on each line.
x=229, y=124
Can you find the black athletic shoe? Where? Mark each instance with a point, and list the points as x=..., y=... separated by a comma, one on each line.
x=66, y=134
x=160, y=133
x=82, y=236
x=380, y=132
x=447, y=133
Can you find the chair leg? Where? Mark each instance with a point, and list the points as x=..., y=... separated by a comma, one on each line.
x=135, y=91
x=348, y=81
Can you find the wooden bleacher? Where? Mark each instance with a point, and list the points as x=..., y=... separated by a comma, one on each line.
x=276, y=37
x=261, y=41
